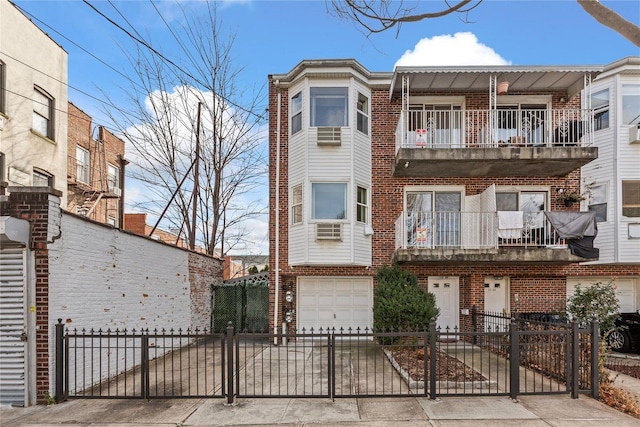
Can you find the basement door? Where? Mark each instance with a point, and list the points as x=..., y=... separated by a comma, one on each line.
x=335, y=302
x=13, y=366
x=446, y=291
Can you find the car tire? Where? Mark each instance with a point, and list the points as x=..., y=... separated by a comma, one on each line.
x=618, y=341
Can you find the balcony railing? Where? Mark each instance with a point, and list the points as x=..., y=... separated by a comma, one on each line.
x=474, y=230
x=494, y=128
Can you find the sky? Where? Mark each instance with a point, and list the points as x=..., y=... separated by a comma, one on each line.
x=271, y=37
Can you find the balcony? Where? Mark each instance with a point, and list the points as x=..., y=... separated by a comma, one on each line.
x=499, y=142
x=478, y=237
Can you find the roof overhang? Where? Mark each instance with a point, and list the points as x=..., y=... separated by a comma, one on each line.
x=476, y=78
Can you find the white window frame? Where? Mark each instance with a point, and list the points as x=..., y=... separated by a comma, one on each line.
x=296, y=112
x=603, y=110
x=296, y=204
x=630, y=91
x=41, y=174
x=314, y=205
x=362, y=111
x=42, y=113
x=629, y=205
x=362, y=205
x=599, y=196
x=343, y=95
x=83, y=165
x=113, y=179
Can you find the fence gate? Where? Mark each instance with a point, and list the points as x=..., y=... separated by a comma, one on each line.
x=243, y=301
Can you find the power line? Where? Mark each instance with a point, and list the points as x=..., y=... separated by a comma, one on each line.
x=164, y=58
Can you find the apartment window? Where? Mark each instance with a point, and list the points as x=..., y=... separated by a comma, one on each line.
x=329, y=200
x=363, y=114
x=630, y=104
x=433, y=218
x=329, y=106
x=82, y=165
x=2, y=171
x=631, y=198
x=113, y=178
x=531, y=203
x=296, y=204
x=41, y=178
x=296, y=113
x=362, y=205
x=600, y=105
x=598, y=202
x=2, y=87
x=42, y=113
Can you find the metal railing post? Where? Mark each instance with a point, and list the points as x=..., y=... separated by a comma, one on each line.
x=59, y=392
x=432, y=360
x=514, y=360
x=332, y=365
x=230, y=363
x=575, y=360
x=474, y=324
x=595, y=360
x=144, y=364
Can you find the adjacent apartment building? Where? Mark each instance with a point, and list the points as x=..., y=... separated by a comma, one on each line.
x=33, y=105
x=95, y=170
x=462, y=175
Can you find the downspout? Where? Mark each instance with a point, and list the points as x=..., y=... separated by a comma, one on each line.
x=277, y=215
x=616, y=183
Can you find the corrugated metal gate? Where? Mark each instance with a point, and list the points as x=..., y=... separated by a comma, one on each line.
x=13, y=372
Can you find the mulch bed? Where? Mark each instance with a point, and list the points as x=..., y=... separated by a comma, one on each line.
x=447, y=368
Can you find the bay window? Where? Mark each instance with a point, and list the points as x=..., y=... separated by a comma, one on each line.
x=329, y=106
x=329, y=201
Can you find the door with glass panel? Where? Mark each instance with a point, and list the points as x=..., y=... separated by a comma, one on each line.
x=521, y=124
x=435, y=125
x=433, y=219
x=532, y=204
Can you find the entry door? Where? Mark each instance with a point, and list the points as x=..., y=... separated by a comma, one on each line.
x=13, y=373
x=446, y=290
x=495, y=299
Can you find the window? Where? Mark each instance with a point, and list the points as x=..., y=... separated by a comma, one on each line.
x=82, y=165
x=296, y=204
x=532, y=203
x=2, y=84
x=598, y=202
x=296, y=113
x=630, y=104
x=113, y=179
x=2, y=172
x=42, y=178
x=42, y=113
x=437, y=124
x=433, y=218
x=363, y=114
x=631, y=198
x=112, y=221
x=329, y=200
x=362, y=205
x=329, y=106
x=600, y=105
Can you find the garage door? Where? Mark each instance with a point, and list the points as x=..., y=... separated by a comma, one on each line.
x=625, y=289
x=335, y=302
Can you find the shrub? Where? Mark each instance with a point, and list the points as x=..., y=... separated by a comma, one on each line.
x=399, y=303
x=594, y=302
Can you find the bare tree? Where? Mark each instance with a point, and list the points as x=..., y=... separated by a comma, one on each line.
x=376, y=16
x=161, y=124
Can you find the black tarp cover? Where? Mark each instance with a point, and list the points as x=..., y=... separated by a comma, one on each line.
x=579, y=228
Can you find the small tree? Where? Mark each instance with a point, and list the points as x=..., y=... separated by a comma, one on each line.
x=399, y=303
x=595, y=302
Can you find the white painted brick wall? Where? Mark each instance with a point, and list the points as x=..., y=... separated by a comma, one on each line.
x=103, y=278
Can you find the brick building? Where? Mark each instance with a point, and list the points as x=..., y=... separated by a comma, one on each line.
x=442, y=170
x=95, y=170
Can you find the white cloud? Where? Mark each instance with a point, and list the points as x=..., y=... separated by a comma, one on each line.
x=447, y=49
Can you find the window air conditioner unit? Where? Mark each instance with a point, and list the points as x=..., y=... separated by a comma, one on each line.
x=329, y=136
x=634, y=134
x=328, y=232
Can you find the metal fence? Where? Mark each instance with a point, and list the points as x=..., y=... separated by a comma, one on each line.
x=326, y=363
x=243, y=301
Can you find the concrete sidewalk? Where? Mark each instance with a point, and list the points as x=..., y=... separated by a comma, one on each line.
x=528, y=411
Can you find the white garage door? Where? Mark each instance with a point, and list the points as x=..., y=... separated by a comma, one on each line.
x=626, y=289
x=335, y=302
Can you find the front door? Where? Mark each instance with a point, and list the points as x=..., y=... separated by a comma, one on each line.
x=496, y=300
x=445, y=289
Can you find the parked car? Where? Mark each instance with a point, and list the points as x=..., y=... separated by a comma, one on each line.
x=626, y=336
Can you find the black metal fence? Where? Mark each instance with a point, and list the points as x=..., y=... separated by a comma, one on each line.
x=326, y=363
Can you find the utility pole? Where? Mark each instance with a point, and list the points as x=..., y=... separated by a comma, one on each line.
x=192, y=234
